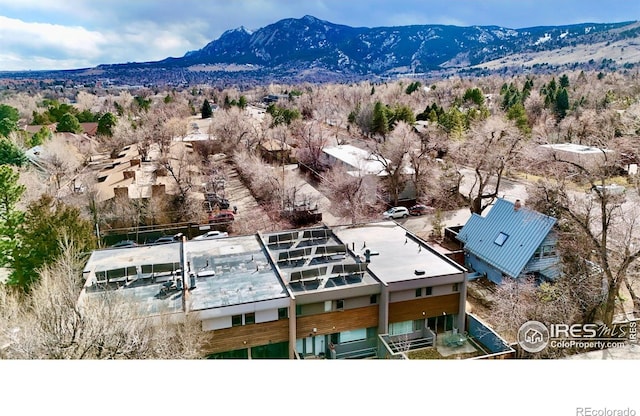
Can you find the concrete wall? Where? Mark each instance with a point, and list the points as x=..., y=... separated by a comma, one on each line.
x=405, y=295
x=348, y=303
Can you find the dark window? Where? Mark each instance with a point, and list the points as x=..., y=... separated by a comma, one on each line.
x=372, y=332
x=249, y=318
x=428, y=290
x=236, y=320
x=418, y=292
x=279, y=350
x=455, y=287
x=373, y=299
x=548, y=251
x=298, y=310
x=340, y=304
x=283, y=313
x=501, y=238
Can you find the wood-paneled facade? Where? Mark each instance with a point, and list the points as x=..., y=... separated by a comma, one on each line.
x=337, y=321
x=424, y=308
x=246, y=336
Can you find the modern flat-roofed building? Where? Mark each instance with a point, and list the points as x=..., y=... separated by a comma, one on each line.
x=138, y=274
x=238, y=295
x=336, y=299
x=309, y=293
x=422, y=292
x=587, y=156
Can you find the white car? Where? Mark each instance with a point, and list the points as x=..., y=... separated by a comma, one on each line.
x=212, y=235
x=396, y=212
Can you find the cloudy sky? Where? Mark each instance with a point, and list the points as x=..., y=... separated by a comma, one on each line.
x=65, y=34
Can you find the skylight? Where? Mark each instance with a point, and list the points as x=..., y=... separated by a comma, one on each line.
x=501, y=238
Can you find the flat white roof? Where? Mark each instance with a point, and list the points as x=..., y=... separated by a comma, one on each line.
x=576, y=148
x=396, y=256
x=357, y=158
x=360, y=159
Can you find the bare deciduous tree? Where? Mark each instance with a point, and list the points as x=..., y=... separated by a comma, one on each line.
x=352, y=196
x=234, y=129
x=311, y=140
x=603, y=218
x=52, y=322
x=490, y=149
x=392, y=155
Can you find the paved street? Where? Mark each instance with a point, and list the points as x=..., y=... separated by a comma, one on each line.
x=509, y=189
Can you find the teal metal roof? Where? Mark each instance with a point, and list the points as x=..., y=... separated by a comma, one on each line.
x=506, y=238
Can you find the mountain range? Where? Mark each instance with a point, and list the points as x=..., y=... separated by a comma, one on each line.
x=312, y=49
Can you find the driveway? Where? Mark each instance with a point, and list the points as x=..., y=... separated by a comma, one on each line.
x=294, y=177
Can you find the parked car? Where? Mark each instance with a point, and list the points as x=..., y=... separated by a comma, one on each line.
x=125, y=243
x=396, y=212
x=212, y=235
x=420, y=209
x=168, y=239
x=221, y=217
x=613, y=189
x=211, y=200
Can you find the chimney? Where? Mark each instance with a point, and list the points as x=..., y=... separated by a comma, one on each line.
x=517, y=205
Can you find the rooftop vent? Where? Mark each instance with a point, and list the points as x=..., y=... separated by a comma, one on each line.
x=517, y=205
x=419, y=272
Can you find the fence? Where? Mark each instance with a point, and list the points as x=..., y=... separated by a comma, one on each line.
x=497, y=347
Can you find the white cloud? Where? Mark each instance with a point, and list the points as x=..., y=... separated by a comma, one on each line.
x=36, y=46
x=16, y=34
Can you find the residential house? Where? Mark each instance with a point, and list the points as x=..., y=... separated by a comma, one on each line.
x=586, y=156
x=128, y=175
x=511, y=240
x=90, y=128
x=360, y=162
x=275, y=151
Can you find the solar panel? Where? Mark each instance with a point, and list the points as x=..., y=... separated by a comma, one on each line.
x=316, y=234
x=355, y=268
x=116, y=273
x=283, y=237
x=307, y=274
x=295, y=276
x=101, y=276
x=296, y=254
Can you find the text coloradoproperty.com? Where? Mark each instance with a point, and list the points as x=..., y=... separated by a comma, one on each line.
x=586, y=344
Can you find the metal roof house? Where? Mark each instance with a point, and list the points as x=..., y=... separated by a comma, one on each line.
x=511, y=240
